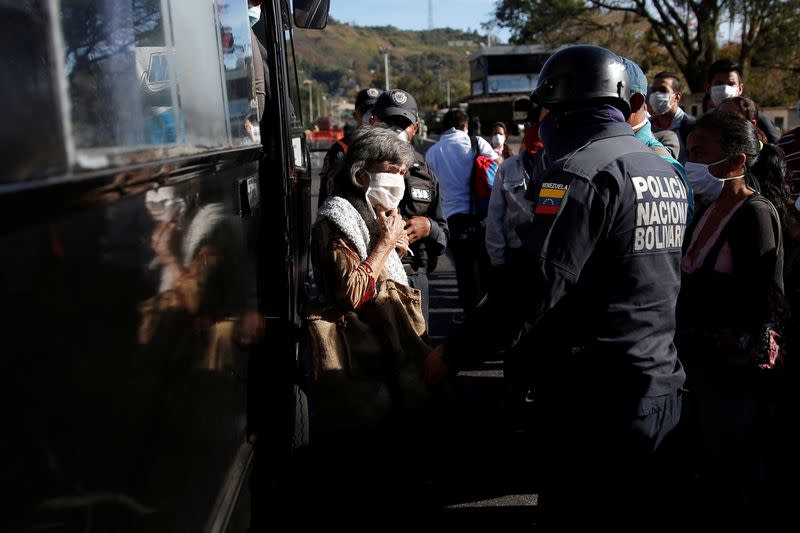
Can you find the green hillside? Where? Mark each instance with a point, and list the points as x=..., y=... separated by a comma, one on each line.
x=342, y=59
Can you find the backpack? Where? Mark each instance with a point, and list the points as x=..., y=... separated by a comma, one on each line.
x=484, y=169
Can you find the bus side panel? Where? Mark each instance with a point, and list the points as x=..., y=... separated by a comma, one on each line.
x=129, y=326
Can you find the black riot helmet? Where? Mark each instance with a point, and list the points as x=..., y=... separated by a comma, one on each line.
x=580, y=75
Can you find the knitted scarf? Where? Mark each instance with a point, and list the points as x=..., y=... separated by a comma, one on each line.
x=352, y=225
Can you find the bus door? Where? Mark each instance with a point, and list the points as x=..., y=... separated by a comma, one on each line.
x=132, y=231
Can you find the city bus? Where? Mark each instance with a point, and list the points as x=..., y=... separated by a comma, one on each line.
x=155, y=213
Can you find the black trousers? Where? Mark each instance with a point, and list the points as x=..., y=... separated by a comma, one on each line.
x=603, y=466
x=468, y=243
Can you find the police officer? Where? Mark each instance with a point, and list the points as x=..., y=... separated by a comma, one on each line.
x=334, y=158
x=420, y=207
x=603, y=253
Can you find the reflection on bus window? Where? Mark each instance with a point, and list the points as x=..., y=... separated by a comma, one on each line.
x=237, y=60
x=122, y=60
x=197, y=317
x=117, y=68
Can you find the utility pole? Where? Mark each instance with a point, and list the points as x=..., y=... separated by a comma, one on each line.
x=448, y=94
x=430, y=14
x=385, y=51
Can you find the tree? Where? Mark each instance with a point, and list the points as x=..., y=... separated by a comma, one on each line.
x=687, y=30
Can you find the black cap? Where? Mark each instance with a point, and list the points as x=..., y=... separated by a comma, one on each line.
x=366, y=98
x=583, y=74
x=394, y=103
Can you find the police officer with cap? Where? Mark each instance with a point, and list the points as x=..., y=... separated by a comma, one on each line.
x=421, y=208
x=334, y=158
x=602, y=253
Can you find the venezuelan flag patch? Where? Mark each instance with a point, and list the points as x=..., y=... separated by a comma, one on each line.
x=550, y=197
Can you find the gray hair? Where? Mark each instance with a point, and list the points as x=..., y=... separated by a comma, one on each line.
x=369, y=144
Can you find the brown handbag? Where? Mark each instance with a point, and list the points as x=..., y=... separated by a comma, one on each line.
x=368, y=362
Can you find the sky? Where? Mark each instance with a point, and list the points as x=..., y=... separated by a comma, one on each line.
x=413, y=14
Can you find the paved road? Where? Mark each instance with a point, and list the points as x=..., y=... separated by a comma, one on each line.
x=479, y=471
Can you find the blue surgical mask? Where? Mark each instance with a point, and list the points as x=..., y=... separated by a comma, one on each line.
x=703, y=182
x=254, y=14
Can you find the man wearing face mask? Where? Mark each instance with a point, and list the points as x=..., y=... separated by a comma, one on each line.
x=725, y=81
x=666, y=92
x=640, y=122
x=334, y=158
x=420, y=207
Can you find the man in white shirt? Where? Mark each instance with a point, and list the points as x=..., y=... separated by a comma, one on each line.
x=452, y=159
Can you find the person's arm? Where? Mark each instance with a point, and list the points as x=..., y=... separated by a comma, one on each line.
x=557, y=244
x=496, y=241
x=339, y=271
x=439, y=231
x=484, y=148
x=259, y=84
x=333, y=161
x=755, y=239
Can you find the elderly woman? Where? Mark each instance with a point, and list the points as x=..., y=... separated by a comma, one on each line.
x=358, y=229
x=731, y=290
x=366, y=346
x=357, y=242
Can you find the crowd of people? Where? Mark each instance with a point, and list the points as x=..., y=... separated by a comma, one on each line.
x=636, y=266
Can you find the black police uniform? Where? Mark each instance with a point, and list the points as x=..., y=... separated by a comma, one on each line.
x=333, y=162
x=422, y=198
x=603, y=253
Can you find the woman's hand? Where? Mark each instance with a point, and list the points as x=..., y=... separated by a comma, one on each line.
x=402, y=244
x=164, y=242
x=390, y=224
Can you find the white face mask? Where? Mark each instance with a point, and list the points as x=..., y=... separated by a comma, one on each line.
x=498, y=140
x=703, y=182
x=720, y=93
x=660, y=102
x=386, y=189
x=254, y=14
x=401, y=133
x=164, y=205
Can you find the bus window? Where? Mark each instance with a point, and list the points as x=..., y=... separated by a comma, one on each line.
x=237, y=62
x=31, y=141
x=118, y=73
x=122, y=62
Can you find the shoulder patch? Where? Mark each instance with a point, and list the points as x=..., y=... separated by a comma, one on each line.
x=420, y=194
x=550, y=197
